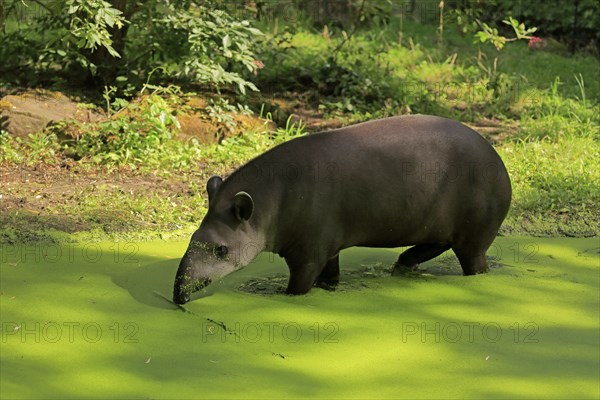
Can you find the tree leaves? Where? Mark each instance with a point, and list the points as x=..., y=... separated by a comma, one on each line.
x=89, y=23
x=189, y=41
x=489, y=34
x=210, y=39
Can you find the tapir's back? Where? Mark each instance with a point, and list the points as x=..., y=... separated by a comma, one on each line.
x=423, y=135
x=378, y=182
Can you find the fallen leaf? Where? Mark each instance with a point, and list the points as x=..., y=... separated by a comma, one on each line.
x=148, y=360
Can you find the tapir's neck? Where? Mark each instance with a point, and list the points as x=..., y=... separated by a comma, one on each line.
x=266, y=232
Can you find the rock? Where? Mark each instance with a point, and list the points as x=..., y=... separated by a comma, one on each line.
x=30, y=112
x=195, y=124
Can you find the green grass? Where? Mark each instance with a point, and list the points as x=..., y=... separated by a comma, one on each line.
x=556, y=186
x=133, y=201
x=541, y=69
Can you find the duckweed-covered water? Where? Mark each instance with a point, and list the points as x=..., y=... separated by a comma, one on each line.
x=94, y=321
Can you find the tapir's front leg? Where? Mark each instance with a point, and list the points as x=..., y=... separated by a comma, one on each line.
x=303, y=274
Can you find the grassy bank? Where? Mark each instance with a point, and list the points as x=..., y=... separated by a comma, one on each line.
x=539, y=108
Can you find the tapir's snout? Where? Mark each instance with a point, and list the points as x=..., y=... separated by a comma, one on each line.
x=180, y=297
x=183, y=290
x=187, y=282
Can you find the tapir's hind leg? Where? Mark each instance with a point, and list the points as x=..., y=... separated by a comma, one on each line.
x=417, y=254
x=330, y=276
x=470, y=251
x=472, y=263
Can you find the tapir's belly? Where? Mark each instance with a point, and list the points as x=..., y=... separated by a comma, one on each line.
x=385, y=211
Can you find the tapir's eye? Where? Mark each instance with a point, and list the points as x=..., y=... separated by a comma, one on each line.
x=221, y=251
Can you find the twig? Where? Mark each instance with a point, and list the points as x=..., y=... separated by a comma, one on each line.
x=185, y=310
x=43, y=5
x=354, y=29
x=179, y=306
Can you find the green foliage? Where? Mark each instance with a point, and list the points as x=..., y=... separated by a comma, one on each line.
x=575, y=23
x=221, y=113
x=194, y=43
x=138, y=133
x=562, y=20
x=334, y=71
x=39, y=147
x=89, y=24
x=236, y=150
x=552, y=160
x=126, y=43
x=539, y=69
x=8, y=149
x=65, y=37
x=548, y=115
x=489, y=34
x=402, y=76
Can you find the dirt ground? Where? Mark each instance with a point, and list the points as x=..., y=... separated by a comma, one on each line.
x=47, y=196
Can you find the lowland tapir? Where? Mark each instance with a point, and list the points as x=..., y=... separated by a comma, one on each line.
x=414, y=180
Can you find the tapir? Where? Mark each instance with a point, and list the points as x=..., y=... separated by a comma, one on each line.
x=422, y=181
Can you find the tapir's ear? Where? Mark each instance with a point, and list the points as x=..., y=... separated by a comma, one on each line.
x=243, y=206
x=212, y=186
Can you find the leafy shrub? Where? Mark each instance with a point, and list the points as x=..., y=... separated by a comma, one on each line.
x=235, y=150
x=196, y=43
x=141, y=132
x=39, y=147
x=334, y=71
x=124, y=43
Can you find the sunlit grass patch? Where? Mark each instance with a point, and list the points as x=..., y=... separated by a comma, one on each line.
x=557, y=181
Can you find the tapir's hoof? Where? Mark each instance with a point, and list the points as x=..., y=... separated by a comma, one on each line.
x=476, y=271
x=327, y=284
x=401, y=269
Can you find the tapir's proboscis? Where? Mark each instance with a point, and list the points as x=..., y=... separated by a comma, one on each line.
x=421, y=181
